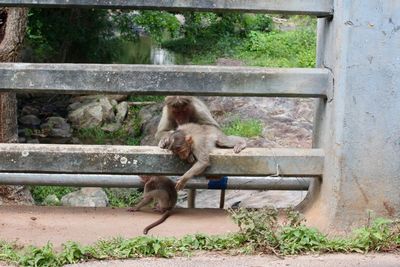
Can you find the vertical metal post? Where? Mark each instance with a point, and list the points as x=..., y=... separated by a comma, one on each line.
x=191, y=198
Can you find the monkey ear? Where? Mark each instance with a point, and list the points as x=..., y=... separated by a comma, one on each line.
x=189, y=139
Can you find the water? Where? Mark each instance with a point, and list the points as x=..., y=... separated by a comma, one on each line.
x=146, y=51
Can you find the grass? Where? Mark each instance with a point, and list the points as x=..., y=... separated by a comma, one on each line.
x=260, y=232
x=245, y=128
x=276, y=48
x=117, y=198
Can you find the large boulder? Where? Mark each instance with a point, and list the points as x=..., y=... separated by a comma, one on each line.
x=91, y=114
x=56, y=127
x=86, y=197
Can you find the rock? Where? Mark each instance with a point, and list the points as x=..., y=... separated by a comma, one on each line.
x=122, y=110
x=86, y=197
x=113, y=102
x=111, y=127
x=51, y=200
x=15, y=195
x=30, y=120
x=56, y=127
x=150, y=116
x=92, y=114
x=30, y=110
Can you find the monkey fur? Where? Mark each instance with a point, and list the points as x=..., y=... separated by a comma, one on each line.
x=193, y=143
x=179, y=110
x=162, y=190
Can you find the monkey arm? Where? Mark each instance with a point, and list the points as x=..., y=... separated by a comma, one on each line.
x=164, y=127
x=238, y=143
x=203, y=113
x=197, y=169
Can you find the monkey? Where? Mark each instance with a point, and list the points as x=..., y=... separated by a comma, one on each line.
x=179, y=110
x=161, y=190
x=193, y=143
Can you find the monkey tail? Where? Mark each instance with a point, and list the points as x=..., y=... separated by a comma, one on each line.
x=165, y=215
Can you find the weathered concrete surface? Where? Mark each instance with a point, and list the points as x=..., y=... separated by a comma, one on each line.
x=220, y=260
x=310, y=7
x=359, y=127
x=153, y=160
x=167, y=79
x=38, y=225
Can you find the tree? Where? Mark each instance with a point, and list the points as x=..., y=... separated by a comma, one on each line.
x=12, y=32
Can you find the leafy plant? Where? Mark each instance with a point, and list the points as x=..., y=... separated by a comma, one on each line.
x=245, y=128
x=39, y=193
x=44, y=256
x=380, y=235
x=295, y=48
x=122, y=198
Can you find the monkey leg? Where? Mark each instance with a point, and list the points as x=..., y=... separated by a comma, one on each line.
x=235, y=142
x=145, y=201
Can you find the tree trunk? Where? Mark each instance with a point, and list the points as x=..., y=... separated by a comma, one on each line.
x=12, y=32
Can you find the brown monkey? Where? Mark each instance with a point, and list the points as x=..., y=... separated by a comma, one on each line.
x=161, y=190
x=179, y=110
x=193, y=143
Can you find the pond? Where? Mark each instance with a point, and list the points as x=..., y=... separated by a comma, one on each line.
x=146, y=51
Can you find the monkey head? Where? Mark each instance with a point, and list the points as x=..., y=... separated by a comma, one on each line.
x=181, y=145
x=180, y=108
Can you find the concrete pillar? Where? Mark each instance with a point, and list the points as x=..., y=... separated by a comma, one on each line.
x=358, y=126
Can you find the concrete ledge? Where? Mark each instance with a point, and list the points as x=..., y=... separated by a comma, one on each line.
x=161, y=80
x=153, y=160
x=306, y=7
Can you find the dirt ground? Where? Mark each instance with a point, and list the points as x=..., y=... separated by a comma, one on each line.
x=35, y=225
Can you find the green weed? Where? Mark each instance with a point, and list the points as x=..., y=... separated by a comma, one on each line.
x=122, y=197
x=245, y=128
x=39, y=193
x=261, y=231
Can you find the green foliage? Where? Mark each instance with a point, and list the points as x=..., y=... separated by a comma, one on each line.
x=245, y=128
x=378, y=236
x=298, y=239
x=98, y=136
x=207, y=36
x=265, y=230
x=44, y=256
x=156, y=23
x=280, y=49
x=72, y=253
x=121, y=198
x=39, y=193
x=70, y=35
x=8, y=252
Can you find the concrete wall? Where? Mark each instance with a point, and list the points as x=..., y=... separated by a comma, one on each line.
x=360, y=125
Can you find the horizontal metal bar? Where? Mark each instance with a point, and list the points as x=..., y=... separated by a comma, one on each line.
x=305, y=7
x=167, y=79
x=101, y=180
x=51, y=158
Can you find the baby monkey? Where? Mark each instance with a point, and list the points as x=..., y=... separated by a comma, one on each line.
x=162, y=191
x=194, y=142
